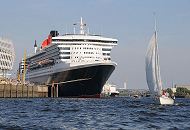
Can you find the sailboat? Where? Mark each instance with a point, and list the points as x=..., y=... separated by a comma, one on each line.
x=153, y=73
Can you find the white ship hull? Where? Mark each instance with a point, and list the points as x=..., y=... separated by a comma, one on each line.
x=166, y=101
x=163, y=100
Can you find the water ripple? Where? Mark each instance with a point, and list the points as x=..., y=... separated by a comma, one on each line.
x=94, y=114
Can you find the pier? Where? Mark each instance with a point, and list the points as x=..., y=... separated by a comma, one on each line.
x=23, y=91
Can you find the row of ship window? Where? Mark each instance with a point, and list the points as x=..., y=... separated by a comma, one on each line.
x=84, y=53
x=78, y=44
x=64, y=52
x=65, y=57
x=89, y=53
x=68, y=57
x=54, y=54
x=89, y=60
x=50, y=52
x=88, y=57
x=107, y=58
x=83, y=40
x=106, y=54
x=68, y=48
x=91, y=48
x=83, y=60
x=76, y=53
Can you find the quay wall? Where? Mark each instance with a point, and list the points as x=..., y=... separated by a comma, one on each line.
x=23, y=91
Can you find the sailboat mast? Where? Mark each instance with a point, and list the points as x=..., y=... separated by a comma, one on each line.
x=155, y=29
x=155, y=25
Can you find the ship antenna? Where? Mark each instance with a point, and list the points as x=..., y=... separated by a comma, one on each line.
x=155, y=23
x=66, y=30
x=74, y=29
x=82, y=26
x=88, y=31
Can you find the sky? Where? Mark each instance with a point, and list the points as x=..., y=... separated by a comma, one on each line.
x=129, y=21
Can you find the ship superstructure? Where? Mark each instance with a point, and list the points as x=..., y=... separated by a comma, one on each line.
x=79, y=63
x=6, y=56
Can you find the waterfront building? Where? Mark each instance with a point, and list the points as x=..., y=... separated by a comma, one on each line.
x=7, y=55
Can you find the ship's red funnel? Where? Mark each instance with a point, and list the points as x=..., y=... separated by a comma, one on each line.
x=46, y=42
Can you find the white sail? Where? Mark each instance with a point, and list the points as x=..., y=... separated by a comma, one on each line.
x=152, y=67
x=153, y=73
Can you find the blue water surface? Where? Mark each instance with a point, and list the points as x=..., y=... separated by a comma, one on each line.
x=119, y=113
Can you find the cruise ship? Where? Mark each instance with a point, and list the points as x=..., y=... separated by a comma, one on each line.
x=79, y=63
x=7, y=55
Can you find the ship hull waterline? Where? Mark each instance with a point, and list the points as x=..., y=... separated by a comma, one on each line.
x=84, y=82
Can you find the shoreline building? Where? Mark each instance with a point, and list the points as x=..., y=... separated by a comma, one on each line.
x=110, y=90
x=179, y=86
x=7, y=56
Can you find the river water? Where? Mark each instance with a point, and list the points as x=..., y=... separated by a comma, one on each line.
x=119, y=113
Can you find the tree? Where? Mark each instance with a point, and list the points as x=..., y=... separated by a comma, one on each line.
x=169, y=91
x=180, y=91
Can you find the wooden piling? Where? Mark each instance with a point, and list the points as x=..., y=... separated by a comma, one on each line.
x=16, y=90
x=27, y=91
x=32, y=91
x=42, y=92
x=52, y=90
x=4, y=91
x=57, y=91
x=22, y=90
x=10, y=90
